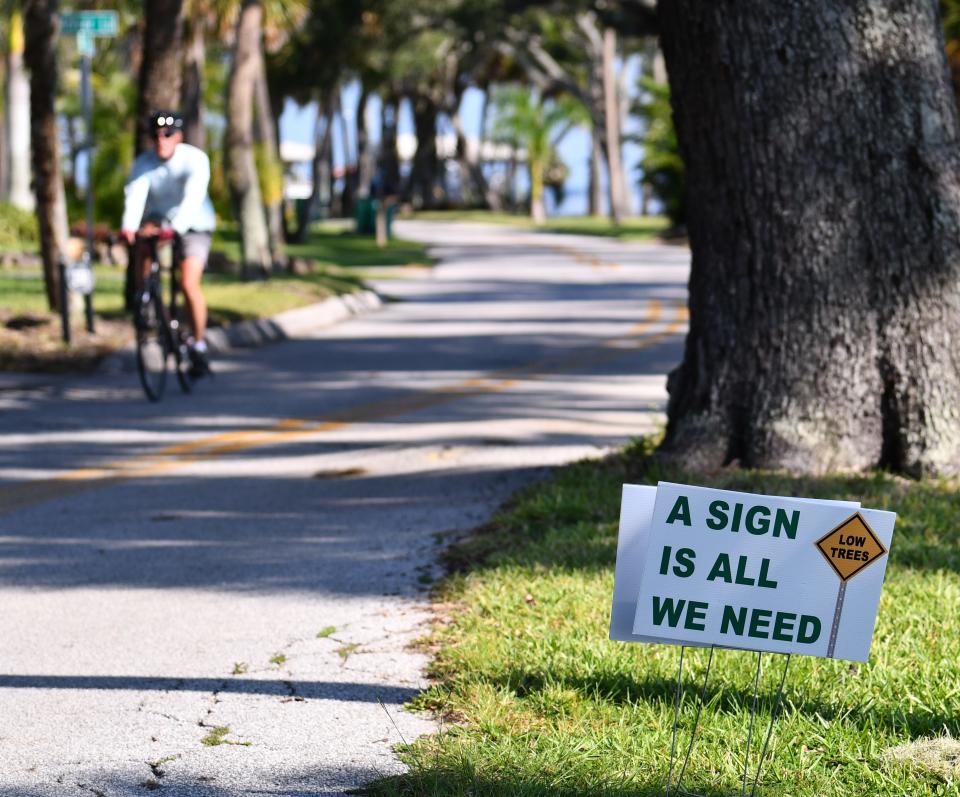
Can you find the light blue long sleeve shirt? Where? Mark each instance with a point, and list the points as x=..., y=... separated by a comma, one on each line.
x=174, y=190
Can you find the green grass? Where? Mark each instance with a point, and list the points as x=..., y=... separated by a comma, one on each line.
x=537, y=700
x=338, y=257
x=334, y=246
x=635, y=228
x=229, y=298
x=326, y=631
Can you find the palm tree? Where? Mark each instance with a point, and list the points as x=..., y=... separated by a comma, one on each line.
x=526, y=121
x=41, y=23
x=241, y=162
x=17, y=188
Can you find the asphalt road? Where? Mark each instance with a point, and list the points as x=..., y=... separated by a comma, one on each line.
x=215, y=595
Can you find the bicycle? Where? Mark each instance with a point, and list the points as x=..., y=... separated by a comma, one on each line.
x=160, y=335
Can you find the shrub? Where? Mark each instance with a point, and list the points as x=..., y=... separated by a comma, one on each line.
x=18, y=228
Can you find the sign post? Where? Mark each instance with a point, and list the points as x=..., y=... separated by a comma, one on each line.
x=717, y=569
x=87, y=26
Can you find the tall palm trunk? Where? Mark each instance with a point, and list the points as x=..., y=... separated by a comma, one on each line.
x=4, y=152
x=365, y=166
x=322, y=134
x=41, y=26
x=271, y=182
x=191, y=91
x=160, y=69
x=18, y=118
x=537, y=210
x=241, y=162
x=596, y=167
x=612, y=120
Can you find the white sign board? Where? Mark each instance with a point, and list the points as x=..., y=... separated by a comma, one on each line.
x=698, y=566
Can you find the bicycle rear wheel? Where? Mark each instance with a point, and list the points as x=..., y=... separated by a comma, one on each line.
x=153, y=346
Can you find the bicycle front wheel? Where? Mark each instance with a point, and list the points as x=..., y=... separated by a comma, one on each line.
x=153, y=346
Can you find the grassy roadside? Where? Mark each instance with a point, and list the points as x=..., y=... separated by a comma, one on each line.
x=537, y=701
x=637, y=228
x=331, y=263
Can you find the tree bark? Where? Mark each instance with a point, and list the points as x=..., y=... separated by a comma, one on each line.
x=160, y=68
x=41, y=27
x=241, y=162
x=191, y=91
x=823, y=154
x=272, y=169
x=18, y=190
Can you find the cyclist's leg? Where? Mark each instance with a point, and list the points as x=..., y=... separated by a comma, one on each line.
x=191, y=270
x=196, y=247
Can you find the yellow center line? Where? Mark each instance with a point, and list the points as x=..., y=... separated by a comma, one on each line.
x=19, y=495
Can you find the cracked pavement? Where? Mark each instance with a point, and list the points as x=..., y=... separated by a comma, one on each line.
x=170, y=574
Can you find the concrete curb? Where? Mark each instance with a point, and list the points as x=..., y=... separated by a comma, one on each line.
x=283, y=326
x=292, y=323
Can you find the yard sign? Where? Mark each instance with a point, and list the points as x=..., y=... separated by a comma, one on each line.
x=698, y=566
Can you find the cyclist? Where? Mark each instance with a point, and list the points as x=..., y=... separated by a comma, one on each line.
x=167, y=187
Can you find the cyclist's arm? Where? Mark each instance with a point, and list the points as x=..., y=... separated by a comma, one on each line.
x=135, y=200
x=194, y=194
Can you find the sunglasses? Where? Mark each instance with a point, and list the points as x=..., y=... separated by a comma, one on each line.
x=165, y=132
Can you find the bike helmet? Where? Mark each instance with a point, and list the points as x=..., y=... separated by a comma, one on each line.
x=167, y=121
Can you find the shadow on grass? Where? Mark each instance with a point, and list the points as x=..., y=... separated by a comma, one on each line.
x=581, y=501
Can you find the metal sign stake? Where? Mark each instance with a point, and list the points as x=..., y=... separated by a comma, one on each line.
x=674, y=789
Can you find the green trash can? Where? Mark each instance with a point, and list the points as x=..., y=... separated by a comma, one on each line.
x=366, y=216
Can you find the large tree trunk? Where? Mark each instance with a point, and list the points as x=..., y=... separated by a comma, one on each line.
x=191, y=91
x=271, y=169
x=41, y=26
x=18, y=190
x=823, y=154
x=160, y=69
x=241, y=162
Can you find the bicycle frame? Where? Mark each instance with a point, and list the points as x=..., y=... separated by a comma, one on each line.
x=147, y=274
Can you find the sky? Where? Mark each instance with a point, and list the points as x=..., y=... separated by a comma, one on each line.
x=297, y=125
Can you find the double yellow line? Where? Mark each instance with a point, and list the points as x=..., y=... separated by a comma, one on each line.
x=14, y=496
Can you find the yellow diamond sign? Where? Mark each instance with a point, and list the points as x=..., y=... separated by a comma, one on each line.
x=851, y=547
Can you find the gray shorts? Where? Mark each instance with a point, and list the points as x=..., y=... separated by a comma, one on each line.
x=197, y=244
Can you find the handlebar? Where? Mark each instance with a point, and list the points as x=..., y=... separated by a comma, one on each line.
x=164, y=234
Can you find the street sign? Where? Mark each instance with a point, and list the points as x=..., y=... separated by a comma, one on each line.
x=96, y=23
x=80, y=278
x=851, y=547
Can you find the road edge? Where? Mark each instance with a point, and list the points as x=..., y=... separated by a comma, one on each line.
x=287, y=325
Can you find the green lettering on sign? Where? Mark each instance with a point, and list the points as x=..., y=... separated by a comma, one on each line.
x=680, y=511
